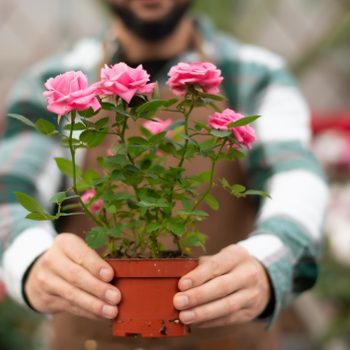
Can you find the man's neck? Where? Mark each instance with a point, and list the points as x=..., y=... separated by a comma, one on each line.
x=138, y=50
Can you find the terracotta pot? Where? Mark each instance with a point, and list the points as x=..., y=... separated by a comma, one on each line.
x=148, y=287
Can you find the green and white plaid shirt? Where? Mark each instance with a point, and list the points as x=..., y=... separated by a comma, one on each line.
x=288, y=230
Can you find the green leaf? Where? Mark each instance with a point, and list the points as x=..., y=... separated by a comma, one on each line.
x=157, y=138
x=66, y=167
x=146, y=164
x=175, y=124
x=234, y=153
x=187, y=204
x=29, y=203
x=111, y=209
x=194, y=239
x=138, y=100
x=238, y=189
x=77, y=126
x=123, y=112
x=120, y=149
x=155, y=204
x=107, y=106
x=148, y=109
x=133, y=175
x=211, y=201
x=207, y=145
x=169, y=148
x=117, y=175
x=88, y=113
x=197, y=213
x=220, y=133
x=72, y=214
x=93, y=138
x=175, y=225
x=137, y=140
x=146, y=132
x=22, y=119
x=58, y=197
x=96, y=238
x=204, y=176
x=201, y=126
x=102, y=122
x=153, y=226
x=45, y=127
x=90, y=175
x=88, y=124
x=65, y=142
x=181, y=107
x=214, y=97
x=243, y=121
x=225, y=183
x=116, y=231
x=40, y=216
x=257, y=193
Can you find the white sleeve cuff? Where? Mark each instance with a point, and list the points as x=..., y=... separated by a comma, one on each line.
x=21, y=253
x=266, y=248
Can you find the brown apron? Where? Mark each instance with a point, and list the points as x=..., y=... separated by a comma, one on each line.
x=230, y=224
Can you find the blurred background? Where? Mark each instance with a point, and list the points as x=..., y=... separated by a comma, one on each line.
x=314, y=37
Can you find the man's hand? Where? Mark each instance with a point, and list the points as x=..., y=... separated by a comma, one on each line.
x=226, y=288
x=72, y=277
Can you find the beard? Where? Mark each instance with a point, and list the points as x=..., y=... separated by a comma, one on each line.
x=150, y=31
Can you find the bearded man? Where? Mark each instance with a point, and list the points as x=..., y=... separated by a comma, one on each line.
x=261, y=255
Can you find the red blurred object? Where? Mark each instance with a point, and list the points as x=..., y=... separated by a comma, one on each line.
x=2, y=292
x=336, y=120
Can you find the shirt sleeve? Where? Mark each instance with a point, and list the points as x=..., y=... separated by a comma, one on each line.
x=288, y=233
x=27, y=166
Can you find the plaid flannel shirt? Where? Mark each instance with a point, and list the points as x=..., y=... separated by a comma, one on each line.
x=288, y=230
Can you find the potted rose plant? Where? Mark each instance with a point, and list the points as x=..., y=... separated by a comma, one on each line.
x=142, y=193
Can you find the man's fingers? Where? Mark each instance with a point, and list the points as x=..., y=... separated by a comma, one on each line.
x=79, y=277
x=217, y=309
x=77, y=250
x=212, y=267
x=64, y=305
x=80, y=299
x=217, y=288
x=242, y=316
x=58, y=304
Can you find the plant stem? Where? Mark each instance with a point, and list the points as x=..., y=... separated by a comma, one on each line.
x=122, y=141
x=211, y=181
x=72, y=151
x=74, y=170
x=187, y=116
x=186, y=127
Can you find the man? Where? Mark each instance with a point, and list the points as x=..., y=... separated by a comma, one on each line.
x=239, y=284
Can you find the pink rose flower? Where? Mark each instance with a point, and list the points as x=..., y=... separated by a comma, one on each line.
x=245, y=135
x=2, y=292
x=87, y=197
x=157, y=126
x=70, y=92
x=110, y=152
x=202, y=74
x=124, y=81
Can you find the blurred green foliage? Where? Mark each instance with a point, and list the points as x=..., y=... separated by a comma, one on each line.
x=18, y=327
x=334, y=287
x=246, y=19
x=241, y=17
